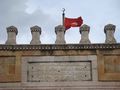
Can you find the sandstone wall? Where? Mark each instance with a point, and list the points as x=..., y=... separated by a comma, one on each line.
x=80, y=67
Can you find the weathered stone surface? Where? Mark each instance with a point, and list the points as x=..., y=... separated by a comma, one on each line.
x=36, y=31
x=59, y=47
x=64, y=86
x=109, y=31
x=84, y=30
x=109, y=67
x=60, y=34
x=112, y=64
x=7, y=68
x=103, y=76
x=12, y=32
x=59, y=71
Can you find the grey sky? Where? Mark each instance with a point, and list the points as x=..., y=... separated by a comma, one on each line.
x=47, y=14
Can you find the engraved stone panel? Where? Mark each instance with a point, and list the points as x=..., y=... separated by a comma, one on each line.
x=55, y=71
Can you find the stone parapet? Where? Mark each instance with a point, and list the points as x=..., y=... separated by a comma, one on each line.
x=84, y=30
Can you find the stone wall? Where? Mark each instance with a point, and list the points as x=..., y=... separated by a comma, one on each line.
x=60, y=66
x=102, y=60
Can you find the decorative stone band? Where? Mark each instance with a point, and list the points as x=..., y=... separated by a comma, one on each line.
x=58, y=47
x=109, y=27
x=84, y=28
x=36, y=29
x=12, y=29
x=59, y=28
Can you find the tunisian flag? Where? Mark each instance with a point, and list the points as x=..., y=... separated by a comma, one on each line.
x=72, y=22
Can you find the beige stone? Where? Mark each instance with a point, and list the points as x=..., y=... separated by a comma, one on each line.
x=84, y=30
x=109, y=31
x=60, y=34
x=36, y=31
x=12, y=32
x=101, y=56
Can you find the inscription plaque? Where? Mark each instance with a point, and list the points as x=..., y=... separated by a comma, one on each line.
x=55, y=71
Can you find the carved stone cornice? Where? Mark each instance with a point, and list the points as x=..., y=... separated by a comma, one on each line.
x=58, y=47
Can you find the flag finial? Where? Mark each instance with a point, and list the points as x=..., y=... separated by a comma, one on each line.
x=63, y=9
x=63, y=16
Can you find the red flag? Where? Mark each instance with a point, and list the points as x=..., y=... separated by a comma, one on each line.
x=72, y=22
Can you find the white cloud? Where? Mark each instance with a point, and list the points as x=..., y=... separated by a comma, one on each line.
x=47, y=14
x=14, y=13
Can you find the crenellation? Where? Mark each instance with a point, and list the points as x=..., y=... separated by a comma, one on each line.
x=60, y=34
x=84, y=31
x=60, y=31
x=36, y=31
x=109, y=31
x=12, y=32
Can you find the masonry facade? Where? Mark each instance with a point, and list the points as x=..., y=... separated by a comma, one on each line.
x=60, y=66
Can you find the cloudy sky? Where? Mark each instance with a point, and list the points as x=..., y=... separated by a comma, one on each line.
x=47, y=14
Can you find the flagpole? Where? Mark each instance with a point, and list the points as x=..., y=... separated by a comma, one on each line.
x=63, y=16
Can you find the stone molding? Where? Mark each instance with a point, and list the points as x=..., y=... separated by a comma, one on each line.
x=64, y=86
x=23, y=47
